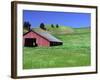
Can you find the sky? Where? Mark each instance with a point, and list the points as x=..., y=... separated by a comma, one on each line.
x=71, y=19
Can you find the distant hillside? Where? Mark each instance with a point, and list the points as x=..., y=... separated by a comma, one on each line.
x=82, y=30
x=25, y=31
x=60, y=30
x=55, y=30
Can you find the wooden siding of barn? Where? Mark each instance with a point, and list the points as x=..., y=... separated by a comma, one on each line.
x=39, y=40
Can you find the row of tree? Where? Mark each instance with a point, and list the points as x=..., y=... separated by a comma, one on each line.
x=42, y=26
x=27, y=26
x=57, y=26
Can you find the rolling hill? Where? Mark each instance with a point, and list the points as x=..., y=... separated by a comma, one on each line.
x=55, y=30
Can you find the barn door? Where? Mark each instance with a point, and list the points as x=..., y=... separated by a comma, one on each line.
x=30, y=42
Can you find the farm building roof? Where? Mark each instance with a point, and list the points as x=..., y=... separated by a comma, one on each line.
x=46, y=35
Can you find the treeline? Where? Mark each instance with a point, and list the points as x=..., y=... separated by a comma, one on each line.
x=42, y=26
x=27, y=26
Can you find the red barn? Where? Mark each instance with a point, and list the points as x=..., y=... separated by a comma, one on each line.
x=35, y=38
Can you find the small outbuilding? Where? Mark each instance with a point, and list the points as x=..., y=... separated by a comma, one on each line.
x=35, y=38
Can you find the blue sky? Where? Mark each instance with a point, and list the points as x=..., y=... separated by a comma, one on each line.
x=75, y=20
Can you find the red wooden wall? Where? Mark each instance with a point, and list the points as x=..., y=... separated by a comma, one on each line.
x=39, y=39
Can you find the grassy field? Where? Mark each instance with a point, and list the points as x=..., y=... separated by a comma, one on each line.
x=75, y=51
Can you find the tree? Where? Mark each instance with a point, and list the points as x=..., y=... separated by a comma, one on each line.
x=52, y=25
x=42, y=26
x=57, y=26
x=27, y=26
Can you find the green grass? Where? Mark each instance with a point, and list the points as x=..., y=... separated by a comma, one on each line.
x=75, y=51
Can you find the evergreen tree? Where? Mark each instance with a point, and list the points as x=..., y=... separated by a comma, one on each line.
x=52, y=25
x=57, y=26
x=42, y=26
x=27, y=26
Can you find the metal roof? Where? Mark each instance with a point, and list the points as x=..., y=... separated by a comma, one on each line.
x=48, y=36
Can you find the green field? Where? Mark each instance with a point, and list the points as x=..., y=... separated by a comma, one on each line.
x=75, y=51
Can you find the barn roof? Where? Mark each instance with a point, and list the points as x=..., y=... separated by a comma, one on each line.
x=49, y=36
x=46, y=35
